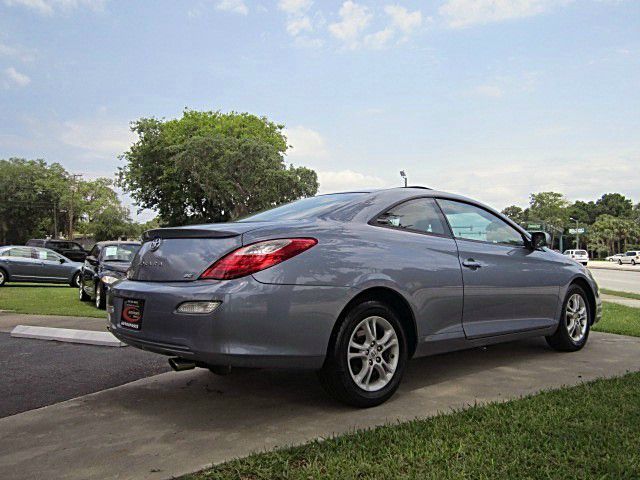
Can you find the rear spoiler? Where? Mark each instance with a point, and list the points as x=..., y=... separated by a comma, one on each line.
x=186, y=233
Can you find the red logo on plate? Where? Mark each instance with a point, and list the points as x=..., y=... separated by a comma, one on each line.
x=131, y=314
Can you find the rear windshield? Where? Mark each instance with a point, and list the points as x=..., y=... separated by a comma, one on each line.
x=119, y=253
x=304, y=208
x=581, y=252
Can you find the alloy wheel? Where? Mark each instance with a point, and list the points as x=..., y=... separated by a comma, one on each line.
x=98, y=296
x=372, y=355
x=576, y=317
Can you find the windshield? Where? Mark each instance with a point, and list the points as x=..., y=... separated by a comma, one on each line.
x=304, y=208
x=119, y=253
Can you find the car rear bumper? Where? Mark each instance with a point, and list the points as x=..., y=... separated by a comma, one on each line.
x=256, y=325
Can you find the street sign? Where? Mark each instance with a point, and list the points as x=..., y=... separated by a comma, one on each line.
x=573, y=231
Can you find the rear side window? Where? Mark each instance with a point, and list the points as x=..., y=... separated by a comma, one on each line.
x=474, y=223
x=21, y=252
x=419, y=215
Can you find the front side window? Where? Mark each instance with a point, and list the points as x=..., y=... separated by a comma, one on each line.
x=474, y=223
x=419, y=215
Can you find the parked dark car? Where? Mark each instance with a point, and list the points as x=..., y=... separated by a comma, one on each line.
x=31, y=264
x=352, y=285
x=71, y=250
x=106, y=263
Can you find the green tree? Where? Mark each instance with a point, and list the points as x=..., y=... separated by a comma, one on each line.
x=210, y=167
x=614, y=204
x=585, y=212
x=515, y=213
x=550, y=208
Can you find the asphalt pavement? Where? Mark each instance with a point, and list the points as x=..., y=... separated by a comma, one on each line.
x=36, y=373
x=624, y=281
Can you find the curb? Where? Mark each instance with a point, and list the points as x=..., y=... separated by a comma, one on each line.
x=613, y=266
x=69, y=335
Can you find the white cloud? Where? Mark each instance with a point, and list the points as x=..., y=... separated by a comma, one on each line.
x=345, y=180
x=354, y=18
x=233, y=6
x=14, y=78
x=20, y=53
x=48, y=7
x=295, y=7
x=402, y=19
x=379, y=39
x=463, y=13
x=97, y=137
x=305, y=143
x=491, y=91
x=299, y=24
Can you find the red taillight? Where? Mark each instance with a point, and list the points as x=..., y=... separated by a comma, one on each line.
x=256, y=257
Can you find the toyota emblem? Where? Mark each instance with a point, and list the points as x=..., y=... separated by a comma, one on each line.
x=155, y=244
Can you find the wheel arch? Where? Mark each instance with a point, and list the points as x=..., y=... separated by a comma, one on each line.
x=392, y=298
x=591, y=297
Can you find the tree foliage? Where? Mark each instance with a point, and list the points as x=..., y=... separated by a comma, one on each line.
x=35, y=197
x=211, y=167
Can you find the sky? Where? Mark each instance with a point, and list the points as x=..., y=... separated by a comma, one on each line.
x=493, y=99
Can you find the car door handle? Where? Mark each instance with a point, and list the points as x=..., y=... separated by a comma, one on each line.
x=471, y=263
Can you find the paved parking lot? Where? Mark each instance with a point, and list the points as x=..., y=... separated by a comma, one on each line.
x=175, y=423
x=36, y=373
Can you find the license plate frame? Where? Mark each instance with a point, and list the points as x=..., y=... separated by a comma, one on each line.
x=132, y=314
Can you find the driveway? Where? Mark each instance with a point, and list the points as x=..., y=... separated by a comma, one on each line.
x=175, y=423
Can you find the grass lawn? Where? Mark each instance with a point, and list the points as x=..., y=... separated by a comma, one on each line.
x=619, y=319
x=617, y=293
x=588, y=431
x=46, y=299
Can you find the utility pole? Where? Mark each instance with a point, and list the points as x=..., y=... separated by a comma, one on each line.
x=74, y=177
x=577, y=233
x=55, y=220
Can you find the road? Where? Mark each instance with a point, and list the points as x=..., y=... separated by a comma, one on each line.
x=36, y=373
x=623, y=281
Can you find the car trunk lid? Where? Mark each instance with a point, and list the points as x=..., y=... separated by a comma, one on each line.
x=183, y=253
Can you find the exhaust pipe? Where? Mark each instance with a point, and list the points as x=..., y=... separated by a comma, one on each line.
x=180, y=364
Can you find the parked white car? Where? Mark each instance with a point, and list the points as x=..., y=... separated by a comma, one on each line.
x=632, y=257
x=580, y=256
x=614, y=258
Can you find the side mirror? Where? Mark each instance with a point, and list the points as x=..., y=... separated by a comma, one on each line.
x=539, y=240
x=62, y=260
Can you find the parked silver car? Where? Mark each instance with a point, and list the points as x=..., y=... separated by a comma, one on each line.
x=614, y=258
x=632, y=257
x=33, y=264
x=352, y=285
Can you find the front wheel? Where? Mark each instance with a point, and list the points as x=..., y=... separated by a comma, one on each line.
x=3, y=277
x=575, y=323
x=100, y=300
x=75, y=281
x=367, y=357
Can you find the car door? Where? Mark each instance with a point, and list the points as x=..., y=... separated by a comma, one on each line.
x=23, y=263
x=426, y=263
x=52, y=269
x=508, y=287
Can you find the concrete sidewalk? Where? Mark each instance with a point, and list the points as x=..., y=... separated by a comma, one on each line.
x=10, y=320
x=175, y=423
x=604, y=265
x=627, y=302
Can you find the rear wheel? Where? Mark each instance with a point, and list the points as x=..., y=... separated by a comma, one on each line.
x=100, y=300
x=367, y=357
x=575, y=323
x=3, y=277
x=75, y=281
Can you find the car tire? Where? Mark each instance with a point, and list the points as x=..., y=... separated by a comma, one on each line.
x=82, y=294
x=100, y=298
x=575, y=323
x=75, y=281
x=3, y=277
x=619, y=262
x=345, y=363
x=633, y=262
